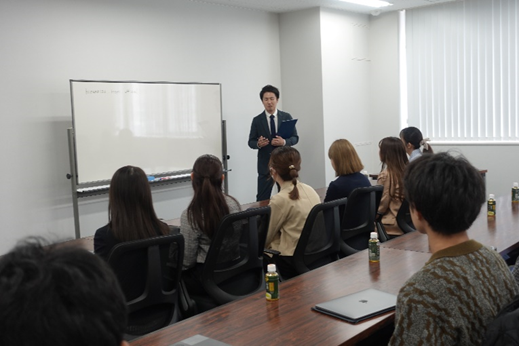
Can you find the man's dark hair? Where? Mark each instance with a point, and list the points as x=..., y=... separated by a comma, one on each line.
x=269, y=89
x=448, y=191
x=58, y=296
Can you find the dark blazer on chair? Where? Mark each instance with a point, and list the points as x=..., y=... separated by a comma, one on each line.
x=259, y=128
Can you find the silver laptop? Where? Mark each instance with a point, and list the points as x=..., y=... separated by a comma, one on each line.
x=358, y=306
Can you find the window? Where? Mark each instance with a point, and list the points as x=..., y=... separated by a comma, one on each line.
x=462, y=71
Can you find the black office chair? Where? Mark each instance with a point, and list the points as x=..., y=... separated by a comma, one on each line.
x=359, y=217
x=148, y=271
x=319, y=244
x=403, y=220
x=504, y=328
x=234, y=264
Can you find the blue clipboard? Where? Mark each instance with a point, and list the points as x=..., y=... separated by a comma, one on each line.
x=286, y=129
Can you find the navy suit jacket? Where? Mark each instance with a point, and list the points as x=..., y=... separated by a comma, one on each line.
x=259, y=128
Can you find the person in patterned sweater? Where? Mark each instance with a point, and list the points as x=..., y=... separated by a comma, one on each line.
x=464, y=284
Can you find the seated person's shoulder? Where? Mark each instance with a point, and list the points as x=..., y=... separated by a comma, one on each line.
x=279, y=200
x=382, y=177
x=234, y=205
x=103, y=231
x=312, y=191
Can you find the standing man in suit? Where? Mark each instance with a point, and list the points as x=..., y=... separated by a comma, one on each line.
x=264, y=138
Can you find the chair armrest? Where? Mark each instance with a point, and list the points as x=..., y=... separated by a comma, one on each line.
x=274, y=253
x=382, y=235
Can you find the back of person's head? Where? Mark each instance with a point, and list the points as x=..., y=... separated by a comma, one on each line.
x=208, y=205
x=392, y=153
x=394, y=159
x=344, y=157
x=286, y=161
x=448, y=191
x=269, y=89
x=59, y=296
x=412, y=135
x=130, y=206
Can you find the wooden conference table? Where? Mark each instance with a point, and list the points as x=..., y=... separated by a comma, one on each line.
x=254, y=321
x=501, y=232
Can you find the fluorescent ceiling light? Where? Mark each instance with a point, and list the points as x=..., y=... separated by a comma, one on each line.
x=370, y=3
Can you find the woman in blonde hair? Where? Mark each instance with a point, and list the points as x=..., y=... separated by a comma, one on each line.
x=347, y=166
x=289, y=208
x=394, y=160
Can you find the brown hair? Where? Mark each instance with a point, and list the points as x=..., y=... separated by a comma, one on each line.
x=344, y=157
x=130, y=207
x=287, y=163
x=394, y=158
x=208, y=205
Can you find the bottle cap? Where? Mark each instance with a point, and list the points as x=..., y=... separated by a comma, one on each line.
x=516, y=184
x=373, y=235
x=271, y=268
x=491, y=196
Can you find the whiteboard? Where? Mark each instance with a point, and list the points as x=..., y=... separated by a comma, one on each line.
x=158, y=126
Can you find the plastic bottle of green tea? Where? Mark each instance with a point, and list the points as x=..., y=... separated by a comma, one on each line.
x=515, y=193
x=374, y=248
x=491, y=206
x=272, y=283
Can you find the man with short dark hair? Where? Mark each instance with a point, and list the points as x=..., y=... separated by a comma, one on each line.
x=263, y=136
x=59, y=296
x=464, y=284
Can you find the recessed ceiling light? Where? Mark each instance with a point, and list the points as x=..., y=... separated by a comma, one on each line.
x=370, y=3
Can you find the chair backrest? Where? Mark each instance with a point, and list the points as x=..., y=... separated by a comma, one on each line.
x=359, y=217
x=403, y=218
x=234, y=264
x=504, y=329
x=319, y=240
x=149, y=272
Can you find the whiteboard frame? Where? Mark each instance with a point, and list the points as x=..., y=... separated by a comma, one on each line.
x=85, y=189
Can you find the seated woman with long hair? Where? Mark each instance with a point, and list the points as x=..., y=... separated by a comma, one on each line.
x=347, y=166
x=394, y=160
x=289, y=208
x=414, y=143
x=130, y=212
x=203, y=215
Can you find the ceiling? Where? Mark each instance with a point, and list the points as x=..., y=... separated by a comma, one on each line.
x=280, y=6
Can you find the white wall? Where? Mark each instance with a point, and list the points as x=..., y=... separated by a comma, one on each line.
x=384, y=82
x=499, y=160
x=46, y=43
x=302, y=91
x=346, y=83
x=326, y=79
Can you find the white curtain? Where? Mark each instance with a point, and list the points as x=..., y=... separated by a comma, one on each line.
x=462, y=70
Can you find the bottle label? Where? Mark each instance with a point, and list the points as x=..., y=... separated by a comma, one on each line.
x=491, y=208
x=374, y=251
x=515, y=195
x=272, y=287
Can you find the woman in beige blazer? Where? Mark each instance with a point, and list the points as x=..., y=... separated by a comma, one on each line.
x=289, y=208
x=394, y=160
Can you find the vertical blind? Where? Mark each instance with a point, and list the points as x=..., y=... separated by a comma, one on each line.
x=462, y=66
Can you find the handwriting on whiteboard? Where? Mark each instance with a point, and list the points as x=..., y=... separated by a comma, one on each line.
x=112, y=92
